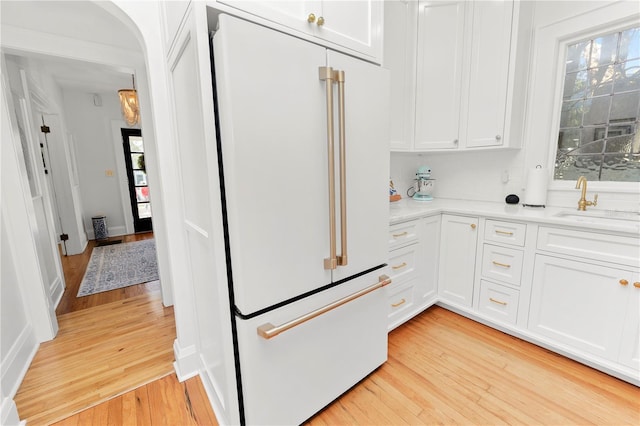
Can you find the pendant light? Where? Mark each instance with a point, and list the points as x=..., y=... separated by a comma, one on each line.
x=129, y=104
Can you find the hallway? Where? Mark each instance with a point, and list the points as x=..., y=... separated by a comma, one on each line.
x=107, y=344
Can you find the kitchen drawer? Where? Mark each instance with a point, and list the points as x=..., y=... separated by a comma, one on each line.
x=505, y=232
x=590, y=245
x=502, y=263
x=403, y=263
x=402, y=234
x=401, y=300
x=499, y=302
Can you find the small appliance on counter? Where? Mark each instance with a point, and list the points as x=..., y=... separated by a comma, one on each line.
x=423, y=185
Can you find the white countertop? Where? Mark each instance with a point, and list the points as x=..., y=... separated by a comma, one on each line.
x=613, y=221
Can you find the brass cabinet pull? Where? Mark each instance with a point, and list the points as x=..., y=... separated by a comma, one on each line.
x=269, y=330
x=504, y=265
x=473, y=226
x=636, y=284
x=327, y=74
x=311, y=18
x=498, y=301
x=340, y=77
x=400, y=266
x=503, y=232
x=395, y=305
x=402, y=234
x=320, y=21
x=624, y=282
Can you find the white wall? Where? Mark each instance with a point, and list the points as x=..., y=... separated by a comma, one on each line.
x=478, y=175
x=90, y=126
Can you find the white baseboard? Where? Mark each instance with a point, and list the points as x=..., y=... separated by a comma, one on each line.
x=9, y=413
x=113, y=231
x=15, y=364
x=187, y=363
x=214, y=400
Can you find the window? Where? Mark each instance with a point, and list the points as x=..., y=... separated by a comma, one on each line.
x=598, y=136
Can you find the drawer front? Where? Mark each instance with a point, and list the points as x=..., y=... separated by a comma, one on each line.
x=505, y=232
x=590, y=245
x=499, y=302
x=402, y=263
x=400, y=301
x=502, y=264
x=403, y=233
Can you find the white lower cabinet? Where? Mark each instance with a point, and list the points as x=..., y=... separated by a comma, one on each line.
x=630, y=347
x=498, y=301
x=413, y=268
x=583, y=305
x=457, y=259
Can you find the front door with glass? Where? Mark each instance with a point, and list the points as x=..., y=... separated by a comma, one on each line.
x=137, y=175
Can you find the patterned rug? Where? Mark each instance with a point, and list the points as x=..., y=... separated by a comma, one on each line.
x=120, y=265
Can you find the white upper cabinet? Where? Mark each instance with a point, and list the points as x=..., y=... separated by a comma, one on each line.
x=488, y=73
x=354, y=25
x=467, y=76
x=440, y=58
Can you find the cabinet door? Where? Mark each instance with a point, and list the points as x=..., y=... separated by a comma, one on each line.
x=292, y=14
x=439, y=74
x=430, y=243
x=457, y=258
x=400, y=33
x=630, y=345
x=356, y=25
x=579, y=304
x=489, y=73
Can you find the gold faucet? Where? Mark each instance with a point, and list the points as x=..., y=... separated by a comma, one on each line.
x=583, y=203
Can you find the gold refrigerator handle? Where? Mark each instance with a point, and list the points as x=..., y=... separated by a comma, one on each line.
x=327, y=74
x=342, y=259
x=269, y=330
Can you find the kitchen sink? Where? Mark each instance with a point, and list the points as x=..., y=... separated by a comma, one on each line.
x=615, y=218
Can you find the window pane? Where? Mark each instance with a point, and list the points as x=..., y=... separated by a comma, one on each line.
x=604, y=50
x=627, y=76
x=630, y=44
x=625, y=106
x=569, y=140
x=596, y=110
x=144, y=210
x=137, y=161
x=572, y=167
x=135, y=144
x=575, y=85
x=142, y=194
x=621, y=168
x=601, y=80
x=571, y=114
x=139, y=178
x=622, y=144
x=577, y=56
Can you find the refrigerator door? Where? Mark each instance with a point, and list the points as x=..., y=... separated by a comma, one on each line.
x=272, y=115
x=366, y=104
x=291, y=376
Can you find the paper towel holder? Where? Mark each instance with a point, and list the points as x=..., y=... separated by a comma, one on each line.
x=534, y=205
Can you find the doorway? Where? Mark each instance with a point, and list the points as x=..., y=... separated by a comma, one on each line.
x=133, y=146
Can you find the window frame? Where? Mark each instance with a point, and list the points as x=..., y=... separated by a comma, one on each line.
x=562, y=42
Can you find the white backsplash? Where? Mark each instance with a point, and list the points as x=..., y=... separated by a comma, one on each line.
x=477, y=175
x=480, y=175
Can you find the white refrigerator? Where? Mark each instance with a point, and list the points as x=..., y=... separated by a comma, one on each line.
x=304, y=165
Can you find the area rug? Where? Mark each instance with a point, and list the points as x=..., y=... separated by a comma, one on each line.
x=120, y=265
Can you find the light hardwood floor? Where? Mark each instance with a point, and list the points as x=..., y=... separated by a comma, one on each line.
x=442, y=369
x=107, y=344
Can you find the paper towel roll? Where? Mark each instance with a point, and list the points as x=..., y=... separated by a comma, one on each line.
x=536, y=191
